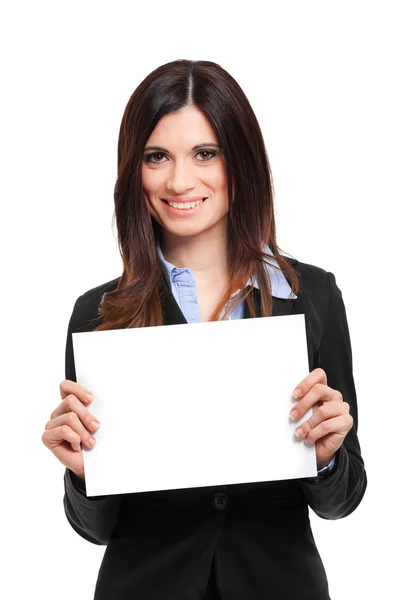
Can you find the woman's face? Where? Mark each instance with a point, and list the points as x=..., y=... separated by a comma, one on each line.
x=187, y=164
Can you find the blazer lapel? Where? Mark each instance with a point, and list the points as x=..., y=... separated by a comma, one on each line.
x=280, y=306
x=171, y=311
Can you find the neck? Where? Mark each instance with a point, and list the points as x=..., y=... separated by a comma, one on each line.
x=205, y=254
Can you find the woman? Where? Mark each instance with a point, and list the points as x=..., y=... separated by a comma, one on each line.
x=196, y=231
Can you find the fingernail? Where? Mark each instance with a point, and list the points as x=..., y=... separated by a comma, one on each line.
x=297, y=393
x=299, y=432
x=94, y=424
x=89, y=396
x=92, y=441
x=294, y=415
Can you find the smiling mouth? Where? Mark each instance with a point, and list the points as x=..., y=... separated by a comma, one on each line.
x=184, y=205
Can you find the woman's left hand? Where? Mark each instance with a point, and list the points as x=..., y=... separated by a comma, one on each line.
x=331, y=420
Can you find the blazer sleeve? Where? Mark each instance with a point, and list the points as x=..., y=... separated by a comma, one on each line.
x=93, y=518
x=339, y=493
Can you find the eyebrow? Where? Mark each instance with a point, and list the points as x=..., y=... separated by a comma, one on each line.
x=197, y=147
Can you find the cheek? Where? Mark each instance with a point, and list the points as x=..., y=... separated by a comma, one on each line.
x=220, y=187
x=148, y=192
x=148, y=182
x=153, y=180
x=218, y=180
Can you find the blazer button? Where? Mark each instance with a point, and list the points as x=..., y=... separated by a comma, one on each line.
x=220, y=501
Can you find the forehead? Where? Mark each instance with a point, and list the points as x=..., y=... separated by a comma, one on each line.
x=187, y=127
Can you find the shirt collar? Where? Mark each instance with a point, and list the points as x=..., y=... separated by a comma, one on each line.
x=279, y=285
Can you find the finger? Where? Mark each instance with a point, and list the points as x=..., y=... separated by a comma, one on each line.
x=72, y=404
x=69, y=455
x=316, y=376
x=338, y=425
x=72, y=387
x=326, y=411
x=55, y=436
x=72, y=420
x=319, y=392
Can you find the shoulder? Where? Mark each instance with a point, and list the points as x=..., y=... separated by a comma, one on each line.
x=94, y=295
x=321, y=297
x=312, y=277
x=317, y=286
x=85, y=312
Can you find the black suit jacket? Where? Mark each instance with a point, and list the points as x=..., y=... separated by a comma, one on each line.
x=257, y=537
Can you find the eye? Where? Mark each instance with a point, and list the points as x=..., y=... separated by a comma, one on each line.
x=149, y=156
x=207, y=152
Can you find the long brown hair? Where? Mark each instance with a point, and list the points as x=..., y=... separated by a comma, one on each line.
x=136, y=300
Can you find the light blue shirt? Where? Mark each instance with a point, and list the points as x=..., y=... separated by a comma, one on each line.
x=183, y=287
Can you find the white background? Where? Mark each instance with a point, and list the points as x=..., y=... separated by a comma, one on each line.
x=323, y=81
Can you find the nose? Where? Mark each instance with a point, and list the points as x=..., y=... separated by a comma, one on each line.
x=181, y=178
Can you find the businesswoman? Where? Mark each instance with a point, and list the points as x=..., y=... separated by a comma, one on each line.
x=196, y=232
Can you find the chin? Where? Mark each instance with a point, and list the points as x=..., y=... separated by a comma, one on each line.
x=185, y=230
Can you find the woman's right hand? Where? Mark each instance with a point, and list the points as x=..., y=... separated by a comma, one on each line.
x=70, y=424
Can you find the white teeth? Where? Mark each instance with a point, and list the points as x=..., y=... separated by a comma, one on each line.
x=184, y=205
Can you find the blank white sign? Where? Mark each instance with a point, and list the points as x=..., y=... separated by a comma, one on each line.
x=193, y=405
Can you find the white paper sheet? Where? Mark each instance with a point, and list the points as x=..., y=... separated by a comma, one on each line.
x=193, y=405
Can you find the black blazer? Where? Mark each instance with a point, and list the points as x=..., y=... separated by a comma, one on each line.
x=256, y=537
